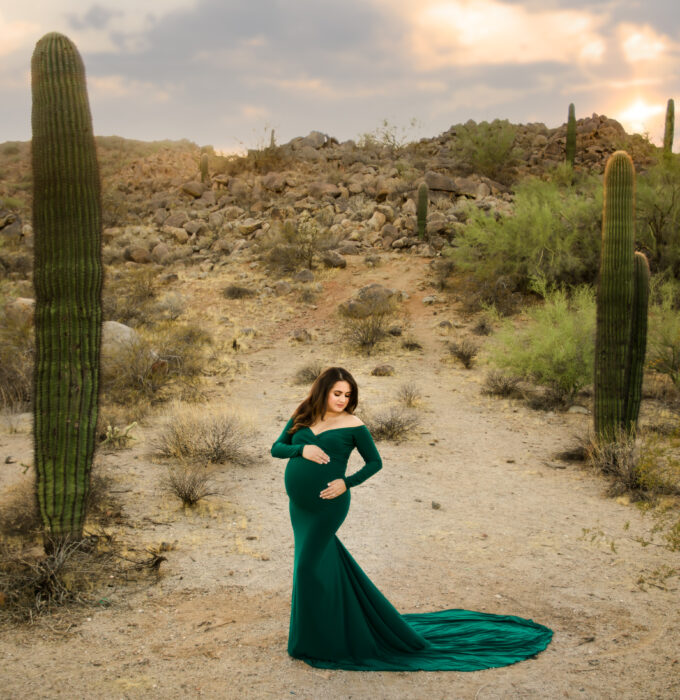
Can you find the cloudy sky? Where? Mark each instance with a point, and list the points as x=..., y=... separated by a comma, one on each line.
x=224, y=72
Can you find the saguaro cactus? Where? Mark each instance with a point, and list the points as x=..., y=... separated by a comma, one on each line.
x=669, y=128
x=621, y=335
x=204, y=167
x=421, y=209
x=571, y=136
x=67, y=279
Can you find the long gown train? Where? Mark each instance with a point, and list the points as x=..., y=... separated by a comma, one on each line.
x=339, y=619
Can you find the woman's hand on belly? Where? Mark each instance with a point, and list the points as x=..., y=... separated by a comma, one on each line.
x=315, y=454
x=335, y=488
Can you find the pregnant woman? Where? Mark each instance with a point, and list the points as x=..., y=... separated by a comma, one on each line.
x=338, y=618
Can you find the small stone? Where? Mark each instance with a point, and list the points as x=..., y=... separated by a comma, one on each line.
x=429, y=300
x=304, y=276
x=281, y=288
x=301, y=335
x=193, y=188
x=436, y=506
x=578, y=409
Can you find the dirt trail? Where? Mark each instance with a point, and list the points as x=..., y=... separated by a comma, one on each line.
x=512, y=534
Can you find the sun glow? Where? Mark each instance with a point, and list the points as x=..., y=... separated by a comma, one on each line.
x=638, y=116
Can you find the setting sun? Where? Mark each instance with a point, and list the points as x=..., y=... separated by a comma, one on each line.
x=638, y=116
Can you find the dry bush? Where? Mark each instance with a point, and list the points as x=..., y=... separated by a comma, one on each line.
x=189, y=483
x=410, y=343
x=483, y=326
x=204, y=438
x=17, y=353
x=235, y=291
x=498, y=383
x=157, y=367
x=308, y=295
x=464, y=350
x=394, y=423
x=309, y=373
x=129, y=297
x=442, y=268
x=365, y=332
x=409, y=395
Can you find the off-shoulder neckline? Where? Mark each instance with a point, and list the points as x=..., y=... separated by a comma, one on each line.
x=330, y=430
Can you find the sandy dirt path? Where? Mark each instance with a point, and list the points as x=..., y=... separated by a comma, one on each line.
x=512, y=534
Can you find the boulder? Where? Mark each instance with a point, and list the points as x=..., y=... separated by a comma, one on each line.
x=249, y=226
x=137, y=255
x=195, y=227
x=304, y=276
x=160, y=252
x=179, y=234
x=193, y=188
x=331, y=258
x=275, y=182
x=177, y=219
x=116, y=338
x=281, y=288
x=437, y=181
x=20, y=310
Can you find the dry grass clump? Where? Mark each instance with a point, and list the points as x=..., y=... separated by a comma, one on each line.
x=159, y=366
x=189, y=483
x=442, y=269
x=410, y=343
x=17, y=352
x=498, y=383
x=309, y=372
x=129, y=296
x=464, y=350
x=394, y=423
x=235, y=291
x=202, y=439
x=409, y=395
x=364, y=331
x=483, y=326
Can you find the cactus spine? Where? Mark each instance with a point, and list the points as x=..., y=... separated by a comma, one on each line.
x=571, y=136
x=67, y=279
x=669, y=128
x=621, y=335
x=204, y=167
x=421, y=209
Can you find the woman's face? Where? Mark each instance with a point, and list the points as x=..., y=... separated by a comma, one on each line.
x=338, y=397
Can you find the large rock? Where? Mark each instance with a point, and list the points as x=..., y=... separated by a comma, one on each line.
x=137, y=255
x=177, y=219
x=331, y=258
x=275, y=182
x=442, y=183
x=193, y=188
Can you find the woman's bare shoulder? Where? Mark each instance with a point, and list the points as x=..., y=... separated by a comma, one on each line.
x=354, y=421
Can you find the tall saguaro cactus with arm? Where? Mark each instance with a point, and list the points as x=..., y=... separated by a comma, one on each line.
x=622, y=299
x=67, y=279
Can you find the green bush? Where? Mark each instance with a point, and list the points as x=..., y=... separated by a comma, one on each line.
x=487, y=148
x=556, y=347
x=663, y=351
x=554, y=233
x=658, y=216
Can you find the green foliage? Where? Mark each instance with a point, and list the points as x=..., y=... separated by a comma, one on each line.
x=621, y=337
x=487, y=148
x=658, y=215
x=553, y=233
x=67, y=220
x=388, y=136
x=555, y=347
x=669, y=128
x=571, y=136
x=664, y=328
x=421, y=209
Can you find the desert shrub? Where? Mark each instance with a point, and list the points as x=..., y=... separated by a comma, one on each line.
x=158, y=366
x=499, y=383
x=309, y=373
x=237, y=291
x=16, y=364
x=204, y=439
x=388, y=137
x=663, y=348
x=366, y=330
x=658, y=216
x=554, y=233
x=410, y=343
x=189, y=483
x=556, y=347
x=483, y=326
x=617, y=459
x=409, y=395
x=487, y=148
x=464, y=350
x=130, y=297
x=393, y=423
x=296, y=244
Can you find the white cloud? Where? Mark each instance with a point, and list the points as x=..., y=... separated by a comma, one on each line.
x=489, y=32
x=15, y=34
x=119, y=87
x=642, y=43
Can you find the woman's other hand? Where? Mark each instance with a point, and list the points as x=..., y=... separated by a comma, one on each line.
x=335, y=488
x=315, y=454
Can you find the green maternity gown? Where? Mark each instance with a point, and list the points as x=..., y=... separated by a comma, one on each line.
x=338, y=618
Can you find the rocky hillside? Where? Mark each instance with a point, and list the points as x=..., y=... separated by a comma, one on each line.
x=157, y=209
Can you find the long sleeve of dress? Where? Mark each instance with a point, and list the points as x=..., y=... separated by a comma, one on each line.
x=283, y=448
x=367, y=449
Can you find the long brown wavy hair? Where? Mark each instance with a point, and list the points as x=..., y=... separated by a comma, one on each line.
x=313, y=407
